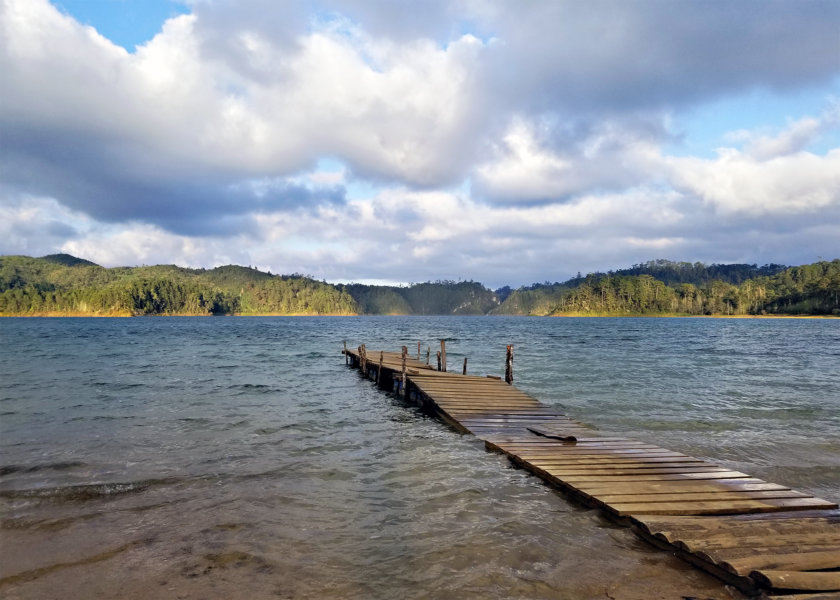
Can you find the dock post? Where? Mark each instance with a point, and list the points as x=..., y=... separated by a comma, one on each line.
x=379, y=371
x=509, y=365
x=346, y=358
x=363, y=353
x=443, y=355
x=465, y=365
x=418, y=350
x=404, y=354
x=438, y=357
x=428, y=353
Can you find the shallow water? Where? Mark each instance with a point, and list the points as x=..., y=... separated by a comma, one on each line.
x=239, y=457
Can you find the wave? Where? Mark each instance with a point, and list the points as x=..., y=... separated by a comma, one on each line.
x=58, y=466
x=81, y=493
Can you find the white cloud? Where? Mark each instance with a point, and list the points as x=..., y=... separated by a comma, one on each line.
x=535, y=163
x=663, y=243
x=736, y=182
x=495, y=140
x=793, y=139
x=143, y=244
x=36, y=225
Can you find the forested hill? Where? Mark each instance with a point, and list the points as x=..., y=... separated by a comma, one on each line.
x=806, y=290
x=673, y=273
x=61, y=284
x=431, y=298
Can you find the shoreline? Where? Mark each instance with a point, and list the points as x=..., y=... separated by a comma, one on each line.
x=121, y=315
x=679, y=316
x=124, y=315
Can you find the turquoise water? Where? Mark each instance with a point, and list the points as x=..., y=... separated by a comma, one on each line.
x=239, y=457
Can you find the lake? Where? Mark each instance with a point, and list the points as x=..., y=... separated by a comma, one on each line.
x=240, y=458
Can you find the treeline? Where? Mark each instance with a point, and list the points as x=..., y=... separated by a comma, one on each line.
x=670, y=273
x=62, y=285
x=807, y=290
x=141, y=297
x=430, y=298
x=675, y=273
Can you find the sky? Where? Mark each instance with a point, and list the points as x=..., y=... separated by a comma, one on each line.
x=395, y=141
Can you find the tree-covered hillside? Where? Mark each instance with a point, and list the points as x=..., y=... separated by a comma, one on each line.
x=48, y=286
x=809, y=289
x=539, y=299
x=675, y=273
x=61, y=284
x=430, y=298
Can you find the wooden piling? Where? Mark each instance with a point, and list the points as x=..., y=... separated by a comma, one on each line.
x=509, y=365
x=362, y=364
x=438, y=357
x=443, y=355
x=465, y=365
x=379, y=371
x=346, y=356
x=402, y=381
x=428, y=353
x=418, y=350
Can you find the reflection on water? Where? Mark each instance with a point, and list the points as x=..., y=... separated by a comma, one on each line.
x=192, y=458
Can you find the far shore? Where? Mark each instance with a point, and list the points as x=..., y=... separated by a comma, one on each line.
x=679, y=316
x=126, y=314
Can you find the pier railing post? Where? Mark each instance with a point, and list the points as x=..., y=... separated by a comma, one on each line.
x=418, y=350
x=428, y=353
x=465, y=365
x=363, y=356
x=438, y=357
x=509, y=365
x=404, y=354
x=443, y=355
x=346, y=358
x=379, y=370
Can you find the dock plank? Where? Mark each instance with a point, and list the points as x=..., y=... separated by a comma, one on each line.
x=816, y=558
x=799, y=580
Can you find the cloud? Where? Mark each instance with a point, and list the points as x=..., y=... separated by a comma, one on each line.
x=470, y=138
x=539, y=162
x=81, y=108
x=654, y=54
x=36, y=226
x=736, y=182
x=794, y=138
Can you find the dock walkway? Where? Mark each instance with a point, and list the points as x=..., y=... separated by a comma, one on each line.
x=762, y=537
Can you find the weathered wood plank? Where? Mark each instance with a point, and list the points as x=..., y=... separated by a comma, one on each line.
x=710, y=494
x=612, y=460
x=747, y=484
x=478, y=395
x=641, y=469
x=811, y=596
x=542, y=418
x=723, y=539
x=798, y=580
x=573, y=452
x=715, y=507
x=779, y=522
x=574, y=479
x=814, y=559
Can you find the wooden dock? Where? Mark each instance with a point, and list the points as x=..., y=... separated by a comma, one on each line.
x=766, y=539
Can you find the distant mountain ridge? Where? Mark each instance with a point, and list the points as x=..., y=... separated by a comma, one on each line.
x=61, y=284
